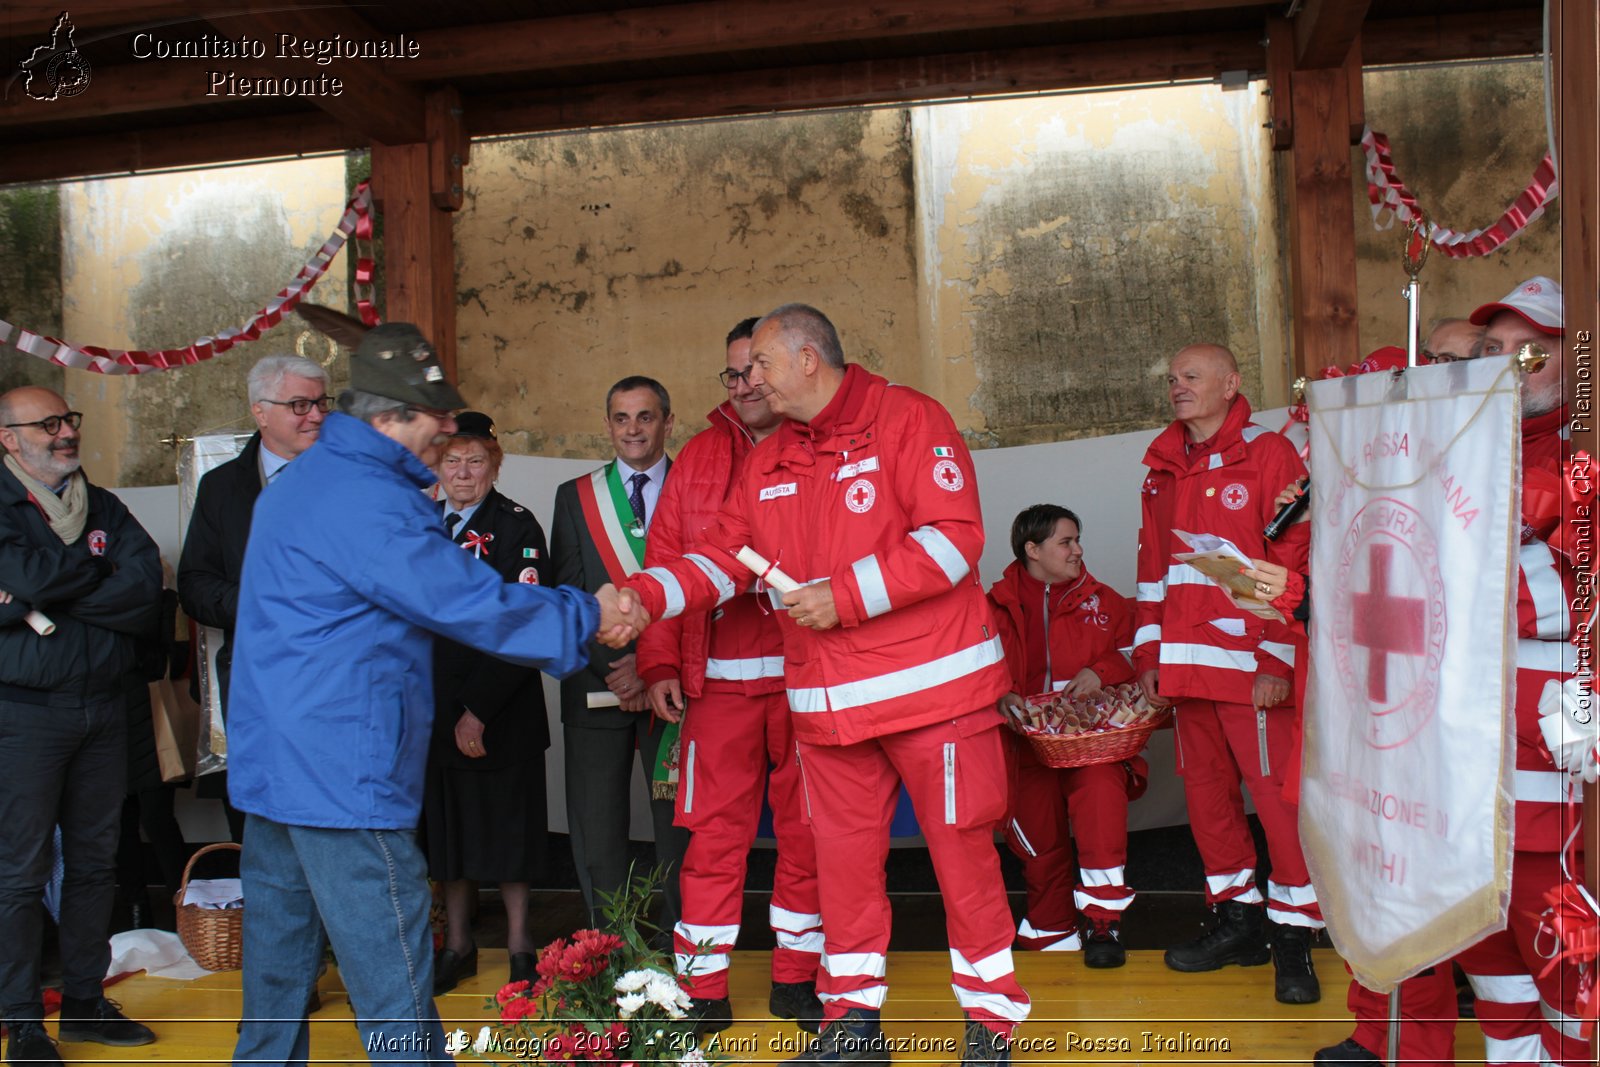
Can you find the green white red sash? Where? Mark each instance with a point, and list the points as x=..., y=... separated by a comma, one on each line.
x=619, y=539
x=616, y=534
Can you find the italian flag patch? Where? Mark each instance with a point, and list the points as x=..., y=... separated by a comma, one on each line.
x=945, y=452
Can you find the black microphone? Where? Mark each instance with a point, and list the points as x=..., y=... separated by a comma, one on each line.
x=1289, y=512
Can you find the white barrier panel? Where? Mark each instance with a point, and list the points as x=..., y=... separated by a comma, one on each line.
x=1096, y=477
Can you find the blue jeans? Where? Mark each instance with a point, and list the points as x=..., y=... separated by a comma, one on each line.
x=66, y=766
x=369, y=890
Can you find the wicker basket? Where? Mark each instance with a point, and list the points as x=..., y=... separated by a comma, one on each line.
x=213, y=936
x=1094, y=746
x=1090, y=746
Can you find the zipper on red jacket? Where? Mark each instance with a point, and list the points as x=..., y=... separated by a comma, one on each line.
x=1049, y=681
x=1261, y=742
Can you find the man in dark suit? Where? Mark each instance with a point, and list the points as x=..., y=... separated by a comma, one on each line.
x=598, y=536
x=288, y=398
x=484, y=801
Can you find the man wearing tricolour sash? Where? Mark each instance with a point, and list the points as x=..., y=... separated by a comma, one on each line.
x=598, y=536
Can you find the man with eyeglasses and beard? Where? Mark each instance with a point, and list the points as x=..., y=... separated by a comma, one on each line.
x=288, y=398
x=74, y=554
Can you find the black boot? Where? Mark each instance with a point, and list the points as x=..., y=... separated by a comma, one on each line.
x=797, y=1001
x=1102, y=943
x=101, y=1021
x=1238, y=937
x=984, y=1047
x=1291, y=958
x=28, y=1043
x=856, y=1038
x=711, y=1016
x=1347, y=1051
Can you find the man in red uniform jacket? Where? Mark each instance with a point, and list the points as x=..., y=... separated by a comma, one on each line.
x=730, y=663
x=1527, y=1009
x=892, y=665
x=1228, y=670
x=1063, y=631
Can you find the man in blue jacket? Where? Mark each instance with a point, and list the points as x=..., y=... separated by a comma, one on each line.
x=347, y=577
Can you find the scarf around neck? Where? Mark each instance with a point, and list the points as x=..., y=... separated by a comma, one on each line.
x=67, y=513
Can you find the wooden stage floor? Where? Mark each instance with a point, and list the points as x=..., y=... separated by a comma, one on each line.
x=1141, y=1013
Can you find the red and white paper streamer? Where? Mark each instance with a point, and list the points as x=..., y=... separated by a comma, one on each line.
x=356, y=222
x=1388, y=192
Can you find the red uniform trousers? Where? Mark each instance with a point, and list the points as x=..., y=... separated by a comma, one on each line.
x=1218, y=744
x=1526, y=1017
x=729, y=740
x=1427, y=1018
x=957, y=786
x=1045, y=802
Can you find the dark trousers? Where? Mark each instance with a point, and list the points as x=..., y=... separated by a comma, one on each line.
x=58, y=766
x=599, y=783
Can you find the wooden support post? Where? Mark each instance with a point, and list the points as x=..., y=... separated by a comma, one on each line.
x=418, y=247
x=1575, y=40
x=1322, y=238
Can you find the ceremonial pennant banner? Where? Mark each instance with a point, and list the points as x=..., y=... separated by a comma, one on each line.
x=1388, y=192
x=357, y=222
x=1406, y=809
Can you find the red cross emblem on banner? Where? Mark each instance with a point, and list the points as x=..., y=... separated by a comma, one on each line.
x=1388, y=621
x=1385, y=624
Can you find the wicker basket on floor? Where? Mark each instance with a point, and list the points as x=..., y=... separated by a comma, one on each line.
x=213, y=936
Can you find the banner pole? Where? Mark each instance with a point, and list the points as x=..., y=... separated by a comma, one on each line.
x=1392, y=1056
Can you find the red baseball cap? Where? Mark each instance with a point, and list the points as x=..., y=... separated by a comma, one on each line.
x=1537, y=300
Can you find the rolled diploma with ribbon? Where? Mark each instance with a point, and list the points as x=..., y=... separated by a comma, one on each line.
x=40, y=622
x=766, y=571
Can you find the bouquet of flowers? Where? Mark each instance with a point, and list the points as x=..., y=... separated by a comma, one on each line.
x=601, y=995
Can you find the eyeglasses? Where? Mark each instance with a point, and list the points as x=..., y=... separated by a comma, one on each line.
x=51, y=424
x=301, y=406
x=442, y=416
x=730, y=377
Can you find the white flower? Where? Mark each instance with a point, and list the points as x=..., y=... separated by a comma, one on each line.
x=664, y=992
x=629, y=1003
x=482, y=1044
x=694, y=1055
x=633, y=981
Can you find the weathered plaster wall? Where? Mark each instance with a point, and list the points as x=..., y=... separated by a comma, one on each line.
x=1466, y=140
x=1072, y=244
x=585, y=257
x=157, y=262
x=30, y=278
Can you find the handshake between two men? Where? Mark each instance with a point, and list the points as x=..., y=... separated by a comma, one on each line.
x=623, y=617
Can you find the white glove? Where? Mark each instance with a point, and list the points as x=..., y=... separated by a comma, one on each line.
x=1569, y=718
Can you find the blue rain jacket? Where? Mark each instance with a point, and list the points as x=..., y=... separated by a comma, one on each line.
x=347, y=577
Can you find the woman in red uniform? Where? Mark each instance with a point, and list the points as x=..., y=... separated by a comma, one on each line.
x=1063, y=631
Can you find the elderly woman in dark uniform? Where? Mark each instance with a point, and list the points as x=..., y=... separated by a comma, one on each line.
x=484, y=807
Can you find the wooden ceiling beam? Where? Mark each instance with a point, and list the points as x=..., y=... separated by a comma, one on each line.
x=197, y=144
x=367, y=98
x=1324, y=30
x=1431, y=39
x=137, y=87
x=1022, y=70
x=712, y=26
x=755, y=92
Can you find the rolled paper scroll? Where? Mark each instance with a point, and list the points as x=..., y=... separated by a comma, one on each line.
x=767, y=572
